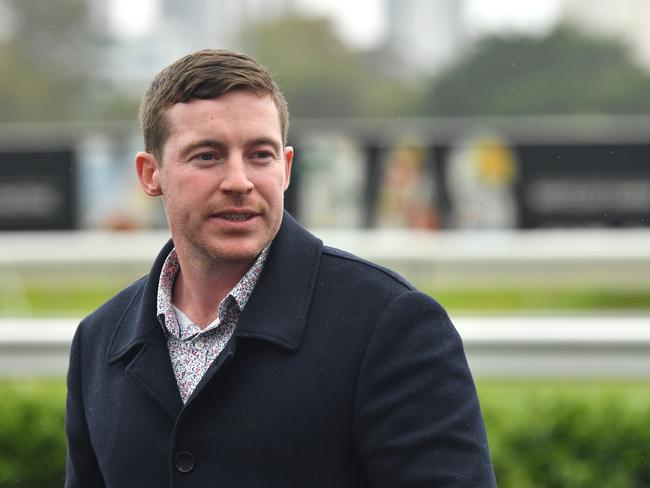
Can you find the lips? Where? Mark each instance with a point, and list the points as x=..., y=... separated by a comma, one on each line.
x=236, y=215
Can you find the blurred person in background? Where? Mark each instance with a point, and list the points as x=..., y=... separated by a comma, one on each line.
x=252, y=354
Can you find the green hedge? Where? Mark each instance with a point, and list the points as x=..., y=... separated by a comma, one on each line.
x=568, y=435
x=542, y=435
x=32, y=440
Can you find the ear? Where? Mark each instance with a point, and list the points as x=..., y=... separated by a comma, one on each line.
x=148, y=172
x=288, y=160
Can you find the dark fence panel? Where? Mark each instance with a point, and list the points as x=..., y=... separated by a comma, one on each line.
x=38, y=190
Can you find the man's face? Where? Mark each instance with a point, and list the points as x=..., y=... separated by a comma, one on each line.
x=223, y=176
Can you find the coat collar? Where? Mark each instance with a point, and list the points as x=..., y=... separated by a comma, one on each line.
x=276, y=311
x=139, y=320
x=140, y=336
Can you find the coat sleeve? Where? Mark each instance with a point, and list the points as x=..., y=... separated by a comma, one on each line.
x=417, y=416
x=82, y=469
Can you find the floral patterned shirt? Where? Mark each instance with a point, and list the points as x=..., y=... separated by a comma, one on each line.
x=192, y=349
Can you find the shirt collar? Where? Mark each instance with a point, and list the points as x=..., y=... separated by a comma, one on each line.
x=238, y=296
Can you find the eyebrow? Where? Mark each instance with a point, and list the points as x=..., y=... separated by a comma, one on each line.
x=202, y=143
x=214, y=143
x=277, y=147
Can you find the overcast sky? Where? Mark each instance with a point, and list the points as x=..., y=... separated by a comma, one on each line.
x=362, y=22
x=482, y=16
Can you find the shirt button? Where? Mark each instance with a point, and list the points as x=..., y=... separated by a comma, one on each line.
x=184, y=462
x=199, y=345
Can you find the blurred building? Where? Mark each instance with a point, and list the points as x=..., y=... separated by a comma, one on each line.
x=625, y=20
x=424, y=35
x=137, y=39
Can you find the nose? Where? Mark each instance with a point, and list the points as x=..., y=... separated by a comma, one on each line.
x=235, y=178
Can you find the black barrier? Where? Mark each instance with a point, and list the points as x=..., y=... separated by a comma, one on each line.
x=37, y=190
x=605, y=185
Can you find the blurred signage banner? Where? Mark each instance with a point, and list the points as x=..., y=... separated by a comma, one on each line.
x=554, y=185
x=600, y=185
x=480, y=174
x=37, y=190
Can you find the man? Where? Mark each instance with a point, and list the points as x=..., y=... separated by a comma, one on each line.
x=252, y=355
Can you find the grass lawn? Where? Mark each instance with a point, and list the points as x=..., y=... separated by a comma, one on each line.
x=78, y=299
x=542, y=300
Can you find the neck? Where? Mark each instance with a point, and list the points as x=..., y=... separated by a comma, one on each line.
x=200, y=287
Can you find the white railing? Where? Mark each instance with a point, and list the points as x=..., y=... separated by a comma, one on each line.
x=610, y=347
x=449, y=258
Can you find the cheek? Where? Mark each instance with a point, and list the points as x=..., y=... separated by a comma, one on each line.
x=267, y=183
x=181, y=195
x=275, y=189
x=185, y=183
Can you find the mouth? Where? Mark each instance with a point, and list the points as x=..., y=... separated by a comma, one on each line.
x=236, y=216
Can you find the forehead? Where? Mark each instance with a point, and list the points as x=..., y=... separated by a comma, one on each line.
x=239, y=110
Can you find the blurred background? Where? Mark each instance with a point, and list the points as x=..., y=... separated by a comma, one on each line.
x=496, y=153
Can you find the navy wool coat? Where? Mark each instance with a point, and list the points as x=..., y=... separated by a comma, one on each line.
x=339, y=374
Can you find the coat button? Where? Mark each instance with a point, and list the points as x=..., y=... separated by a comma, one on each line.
x=184, y=462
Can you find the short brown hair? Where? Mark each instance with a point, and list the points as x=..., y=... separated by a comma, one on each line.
x=204, y=74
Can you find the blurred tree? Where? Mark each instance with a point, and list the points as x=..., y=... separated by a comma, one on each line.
x=322, y=76
x=564, y=72
x=43, y=60
x=115, y=103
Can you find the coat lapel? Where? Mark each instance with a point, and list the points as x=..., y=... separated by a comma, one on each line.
x=151, y=367
x=139, y=340
x=277, y=309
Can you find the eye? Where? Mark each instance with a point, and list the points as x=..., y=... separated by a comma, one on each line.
x=262, y=155
x=205, y=158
